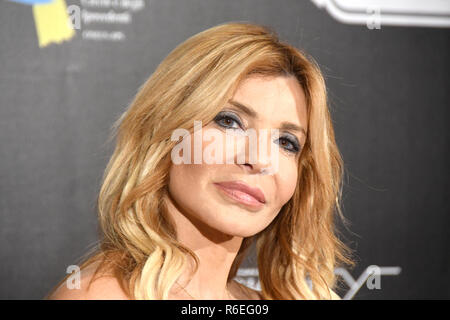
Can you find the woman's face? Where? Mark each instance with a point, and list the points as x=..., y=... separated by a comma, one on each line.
x=236, y=197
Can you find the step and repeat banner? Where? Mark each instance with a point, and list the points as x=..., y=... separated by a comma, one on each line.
x=69, y=68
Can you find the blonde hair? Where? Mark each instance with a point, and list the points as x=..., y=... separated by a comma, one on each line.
x=139, y=242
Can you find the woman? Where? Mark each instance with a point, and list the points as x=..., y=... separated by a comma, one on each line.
x=180, y=229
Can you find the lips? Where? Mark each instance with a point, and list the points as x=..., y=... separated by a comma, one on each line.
x=242, y=193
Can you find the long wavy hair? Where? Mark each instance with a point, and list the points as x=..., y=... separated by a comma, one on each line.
x=298, y=251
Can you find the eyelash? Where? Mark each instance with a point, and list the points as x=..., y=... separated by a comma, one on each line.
x=228, y=116
x=295, y=146
x=221, y=116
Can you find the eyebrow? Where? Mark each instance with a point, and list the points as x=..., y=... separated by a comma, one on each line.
x=293, y=127
x=247, y=110
x=250, y=112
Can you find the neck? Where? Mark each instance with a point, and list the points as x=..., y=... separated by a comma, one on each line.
x=216, y=252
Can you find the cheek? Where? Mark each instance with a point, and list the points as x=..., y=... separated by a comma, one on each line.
x=286, y=180
x=186, y=183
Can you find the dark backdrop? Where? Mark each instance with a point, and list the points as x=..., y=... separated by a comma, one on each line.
x=389, y=94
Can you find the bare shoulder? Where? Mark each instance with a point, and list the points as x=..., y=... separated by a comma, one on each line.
x=103, y=287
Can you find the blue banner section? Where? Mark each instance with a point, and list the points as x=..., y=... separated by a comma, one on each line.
x=32, y=1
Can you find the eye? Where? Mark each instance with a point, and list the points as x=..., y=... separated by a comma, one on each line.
x=289, y=143
x=228, y=120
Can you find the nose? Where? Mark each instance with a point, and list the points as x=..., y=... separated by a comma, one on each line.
x=258, y=155
x=256, y=169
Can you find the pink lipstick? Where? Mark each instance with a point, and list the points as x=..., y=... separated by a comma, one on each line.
x=243, y=193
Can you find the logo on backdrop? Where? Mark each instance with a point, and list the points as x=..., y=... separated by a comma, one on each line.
x=375, y=13
x=56, y=22
x=51, y=20
x=371, y=277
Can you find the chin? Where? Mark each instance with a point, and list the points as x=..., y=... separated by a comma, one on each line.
x=239, y=226
x=243, y=233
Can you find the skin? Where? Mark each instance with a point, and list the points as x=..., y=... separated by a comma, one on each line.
x=208, y=221
x=212, y=224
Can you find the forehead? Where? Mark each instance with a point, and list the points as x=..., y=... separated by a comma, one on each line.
x=275, y=99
